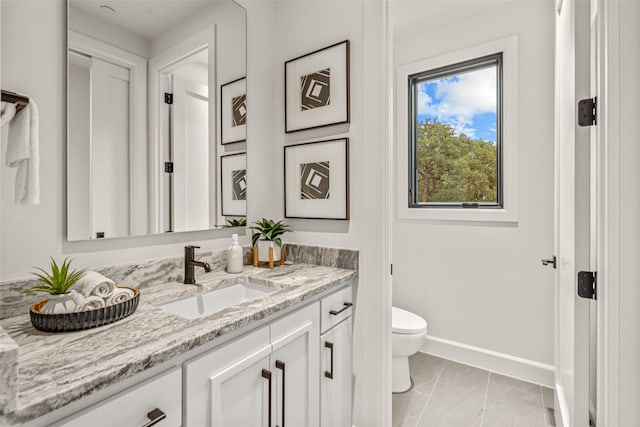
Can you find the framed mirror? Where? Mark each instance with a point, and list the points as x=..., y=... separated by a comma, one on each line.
x=145, y=111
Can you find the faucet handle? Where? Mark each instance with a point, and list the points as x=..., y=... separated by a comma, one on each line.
x=192, y=247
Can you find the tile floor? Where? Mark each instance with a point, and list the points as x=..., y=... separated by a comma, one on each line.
x=451, y=394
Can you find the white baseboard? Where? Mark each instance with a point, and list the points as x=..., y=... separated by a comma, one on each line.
x=505, y=364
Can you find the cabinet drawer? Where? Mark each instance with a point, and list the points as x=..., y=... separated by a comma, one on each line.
x=335, y=308
x=130, y=407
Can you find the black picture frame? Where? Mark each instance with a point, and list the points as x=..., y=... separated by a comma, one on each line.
x=227, y=92
x=236, y=210
x=297, y=203
x=318, y=64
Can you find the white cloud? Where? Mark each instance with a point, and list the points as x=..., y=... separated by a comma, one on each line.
x=458, y=99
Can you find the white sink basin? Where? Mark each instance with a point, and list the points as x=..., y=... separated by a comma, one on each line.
x=216, y=300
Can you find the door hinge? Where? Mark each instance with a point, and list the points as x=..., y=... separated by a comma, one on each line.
x=168, y=98
x=588, y=284
x=168, y=167
x=588, y=112
x=392, y=269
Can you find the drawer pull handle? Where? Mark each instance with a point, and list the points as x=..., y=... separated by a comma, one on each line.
x=329, y=374
x=266, y=374
x=155, y=417
x=336, y=312
x=280, y=365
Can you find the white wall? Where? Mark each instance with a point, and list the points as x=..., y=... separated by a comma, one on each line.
x=34, y=63
x=482, y=285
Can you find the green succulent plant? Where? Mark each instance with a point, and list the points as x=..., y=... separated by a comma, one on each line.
x=59, y=280
x=267, y=229
x=235, y=223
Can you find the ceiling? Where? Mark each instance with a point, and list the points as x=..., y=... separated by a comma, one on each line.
x=145, y=18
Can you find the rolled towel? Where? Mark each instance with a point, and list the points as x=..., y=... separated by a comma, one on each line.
x=91, y=302
x=92, y=283
x=119, y=295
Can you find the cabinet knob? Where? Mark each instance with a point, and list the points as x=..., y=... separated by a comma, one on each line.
x=155, y=417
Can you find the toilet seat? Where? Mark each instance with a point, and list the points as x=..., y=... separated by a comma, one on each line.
x=405, y=322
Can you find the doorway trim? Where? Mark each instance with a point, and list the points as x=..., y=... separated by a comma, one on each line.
x=158, y=66
x=608, y=212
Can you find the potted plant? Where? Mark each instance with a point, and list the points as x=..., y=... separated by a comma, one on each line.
x=57, y=284
x=267, y=235
x=235, y=223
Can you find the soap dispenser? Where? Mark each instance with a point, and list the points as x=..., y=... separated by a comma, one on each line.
x=234, y=256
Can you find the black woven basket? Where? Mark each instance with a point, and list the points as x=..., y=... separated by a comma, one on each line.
x=67, y=322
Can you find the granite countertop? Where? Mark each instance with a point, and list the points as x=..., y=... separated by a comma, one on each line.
x=55, y=369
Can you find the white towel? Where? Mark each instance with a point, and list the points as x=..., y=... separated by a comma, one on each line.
x=23, y=152
x=92, y=283
x=119, y=295
x=91, y=302
x=7, y=111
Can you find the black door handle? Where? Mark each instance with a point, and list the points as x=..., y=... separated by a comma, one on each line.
x=266, y=374
x=280, y=365
x=329, y=374
x=552, y=262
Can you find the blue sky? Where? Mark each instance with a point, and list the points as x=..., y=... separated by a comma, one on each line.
x=466, y=101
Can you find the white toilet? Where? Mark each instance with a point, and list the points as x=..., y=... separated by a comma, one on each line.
x=408, y=334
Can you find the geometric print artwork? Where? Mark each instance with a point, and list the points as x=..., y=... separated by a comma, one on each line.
x=239, y=110
x=314, y=180
x=315, y=89
x=239, y=184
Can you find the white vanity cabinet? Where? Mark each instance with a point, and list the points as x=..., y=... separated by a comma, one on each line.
x=271, y=372
x=294, y=371
x=336, y=344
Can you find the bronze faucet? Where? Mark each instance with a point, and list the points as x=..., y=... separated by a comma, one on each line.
x=190, y=263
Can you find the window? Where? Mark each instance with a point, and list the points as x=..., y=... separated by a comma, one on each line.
x=455, y=135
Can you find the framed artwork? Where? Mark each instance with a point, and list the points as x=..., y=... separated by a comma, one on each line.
x=233, y=180
x=233, y=111
x=316, y=180
x=317, y=89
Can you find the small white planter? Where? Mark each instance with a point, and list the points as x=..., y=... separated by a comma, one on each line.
x=263, y=250
x=57, y=304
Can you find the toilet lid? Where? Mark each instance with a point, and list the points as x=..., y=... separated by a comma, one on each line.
x=405, y=322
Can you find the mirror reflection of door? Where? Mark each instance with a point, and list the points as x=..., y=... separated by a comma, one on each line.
x=99, y=147
x=188, y=193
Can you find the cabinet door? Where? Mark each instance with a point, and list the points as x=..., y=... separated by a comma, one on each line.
x=336, y=375
x=225, y=387
x=240, y=393
x=295, y=363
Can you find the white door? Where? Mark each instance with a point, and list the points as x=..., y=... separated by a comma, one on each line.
x=294, y=364
x=110, y=101
x=190, y=139
x=572, y=214
x=335, y=374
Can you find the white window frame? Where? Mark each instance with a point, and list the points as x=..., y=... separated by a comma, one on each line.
x=510, y=185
